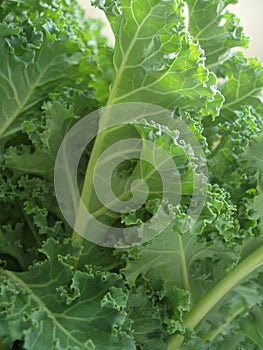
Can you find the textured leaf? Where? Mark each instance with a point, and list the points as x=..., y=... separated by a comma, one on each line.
x=148, y=315
x=253, y=158
x=198, y=288
x=240, y=123
x=182, y=259
x=235, y=136
x=252, y=327
x=20, y=10
x=243, y=86
x=41, y=62
x=46, y=134
x=222, y=326
x=28, y=216
x=50, y=133
x=14, y=255
x=156, y=60
x=217, y=30
x=165, y=150
x=253, y=155
x=53, y=306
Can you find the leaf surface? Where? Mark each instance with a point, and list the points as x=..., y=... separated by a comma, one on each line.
x=64, y=309
x=216, y=29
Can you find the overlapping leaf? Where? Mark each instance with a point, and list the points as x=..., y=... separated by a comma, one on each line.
x=20, y=10
x=29, y=214
x=52, y=306
x=60, y=303
x=182, y=259
x=217, y=30
x=240, y=122
x=243, y=86
x=156, y=60
x=36, y=60
x=253, y=158
x=252, y=328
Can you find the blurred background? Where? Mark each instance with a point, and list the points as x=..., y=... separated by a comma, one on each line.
x=249, y=11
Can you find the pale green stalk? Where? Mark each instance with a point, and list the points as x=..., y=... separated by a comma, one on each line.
x=210, y=299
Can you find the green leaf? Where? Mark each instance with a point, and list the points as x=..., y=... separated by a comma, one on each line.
x=222, y=325
x=195, y=287
x=52, y=306
x=252, y=327
x=183, y=259
x=179, y=169
x=239, y=124
x=105, y=74
x=156, y=61
x=15, y=256
x=46, y=136
x=167, y=150
x=20, y=10
x=47, y=133
x=177, y=150
x=249, y=267
x=234, y=137
x=253, y=159
x=217, y=30
x=42, y=59
x=253, y=155
x=243, y=86
x=29, y=204
x=148, y=314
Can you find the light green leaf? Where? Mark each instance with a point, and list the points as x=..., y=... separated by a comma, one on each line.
x=156, y=61
x=28, y=203
x=32, y=66
x=253, y=155
x=234, y=137
x=243, y=86
x=183, y=259
x=217, y=30
x=20, y=10
x=253, y=158
x=252, y=327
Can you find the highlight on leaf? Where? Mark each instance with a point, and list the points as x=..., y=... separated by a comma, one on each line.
x=172, y=251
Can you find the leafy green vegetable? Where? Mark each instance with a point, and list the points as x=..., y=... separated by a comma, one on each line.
x=197, y=281
x=171, y=68
x=93, y=300
x=217, y=30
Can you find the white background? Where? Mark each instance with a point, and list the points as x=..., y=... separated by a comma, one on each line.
x=249, y=11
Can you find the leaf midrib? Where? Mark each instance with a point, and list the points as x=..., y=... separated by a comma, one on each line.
x=22, y=106
x=250, y=94
x=40, y=303
x=125, y=58
x=184, y=268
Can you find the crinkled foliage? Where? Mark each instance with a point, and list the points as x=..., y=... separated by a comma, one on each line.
x=198, y=287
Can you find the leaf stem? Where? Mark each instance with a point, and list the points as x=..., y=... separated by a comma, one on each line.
x=184, y=265
x=87, y=188
x=201, y=309
x=100, y=139
x=212, y=335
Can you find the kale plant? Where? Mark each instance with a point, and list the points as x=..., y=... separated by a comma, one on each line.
x=166, y=250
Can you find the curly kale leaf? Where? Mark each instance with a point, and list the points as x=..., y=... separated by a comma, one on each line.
x=52, y=305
